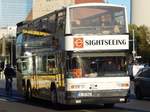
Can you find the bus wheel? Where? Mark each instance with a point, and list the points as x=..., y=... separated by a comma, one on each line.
x=54, y=96
x=29, y=92
x=109, y=105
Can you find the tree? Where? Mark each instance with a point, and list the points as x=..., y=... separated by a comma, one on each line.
x=142, y=37
x=144, y=46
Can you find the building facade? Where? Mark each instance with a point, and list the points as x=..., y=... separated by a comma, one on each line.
x=42, y=7
x=13, y=11
x=7, y=38
x=140, y=12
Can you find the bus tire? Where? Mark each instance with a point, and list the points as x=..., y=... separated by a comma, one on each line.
x=28, y=92
x=109, y=105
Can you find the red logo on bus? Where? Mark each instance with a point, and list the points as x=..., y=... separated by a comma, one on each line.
x=78, y=42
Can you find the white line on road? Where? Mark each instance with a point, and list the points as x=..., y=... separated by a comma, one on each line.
x=4, y=100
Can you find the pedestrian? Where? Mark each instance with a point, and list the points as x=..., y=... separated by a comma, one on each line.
x=8, y=72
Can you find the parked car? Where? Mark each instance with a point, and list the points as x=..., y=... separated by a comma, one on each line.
x=142, y=83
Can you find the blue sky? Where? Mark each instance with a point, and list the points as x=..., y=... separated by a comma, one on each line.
x=122, y=2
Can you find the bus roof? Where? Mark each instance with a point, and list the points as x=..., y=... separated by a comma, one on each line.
x=95, y=4
x=72, y=6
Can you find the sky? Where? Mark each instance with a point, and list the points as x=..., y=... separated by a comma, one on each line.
x=122, y=2
x=13, y=11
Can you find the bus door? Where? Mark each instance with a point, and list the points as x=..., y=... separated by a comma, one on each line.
x=60, y=72
x=52, y=69
x=34, y=76
x=45, y=73
x=41, y=74
x=24, y=71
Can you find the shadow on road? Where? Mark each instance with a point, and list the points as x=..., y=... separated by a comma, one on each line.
x=66, y=108
x=78, y=108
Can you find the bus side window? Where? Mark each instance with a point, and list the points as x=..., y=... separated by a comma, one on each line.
x=51, y=23
x=52, y=65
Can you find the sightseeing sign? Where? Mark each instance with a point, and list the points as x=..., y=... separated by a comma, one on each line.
x=106, y=42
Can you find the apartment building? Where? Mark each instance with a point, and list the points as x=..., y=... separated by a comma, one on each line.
x=42, y=7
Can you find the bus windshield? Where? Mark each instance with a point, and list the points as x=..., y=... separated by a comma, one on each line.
x=97, y=67
x=99, y=20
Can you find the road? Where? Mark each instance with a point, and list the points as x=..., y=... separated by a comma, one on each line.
x=17, y=104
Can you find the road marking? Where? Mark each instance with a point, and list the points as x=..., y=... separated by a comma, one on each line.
x=4, y=100
x=10, y=98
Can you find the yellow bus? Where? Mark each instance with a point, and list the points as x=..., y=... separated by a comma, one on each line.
x=75, y=55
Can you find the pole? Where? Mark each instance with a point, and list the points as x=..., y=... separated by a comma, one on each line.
x=12, y=52
x=3, y=46
x=133, y=50
x=131, y=11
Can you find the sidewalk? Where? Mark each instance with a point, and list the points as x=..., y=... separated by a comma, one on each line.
x=2, y=88
x=2, y=76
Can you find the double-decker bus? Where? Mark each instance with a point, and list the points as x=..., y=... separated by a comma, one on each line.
x=75, y=55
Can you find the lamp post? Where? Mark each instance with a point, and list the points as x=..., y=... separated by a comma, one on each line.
x=133, y=50
x=11, y=34
x=3, y=46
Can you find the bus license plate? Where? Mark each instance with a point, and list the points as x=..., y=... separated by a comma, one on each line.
x=84, y=94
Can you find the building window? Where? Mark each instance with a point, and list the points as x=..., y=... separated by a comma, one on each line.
x=48, y=0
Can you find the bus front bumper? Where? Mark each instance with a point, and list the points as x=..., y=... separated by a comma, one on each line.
x=97, y=97
x=107, y=100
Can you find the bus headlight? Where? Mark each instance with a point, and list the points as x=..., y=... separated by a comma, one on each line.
x=124, y=85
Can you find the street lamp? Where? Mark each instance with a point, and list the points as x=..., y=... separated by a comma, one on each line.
x=11, y=31
x=133, y=41
x=3, y=46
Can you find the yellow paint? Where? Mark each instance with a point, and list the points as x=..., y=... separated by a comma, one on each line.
x=40, y=81
x=38, y=33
